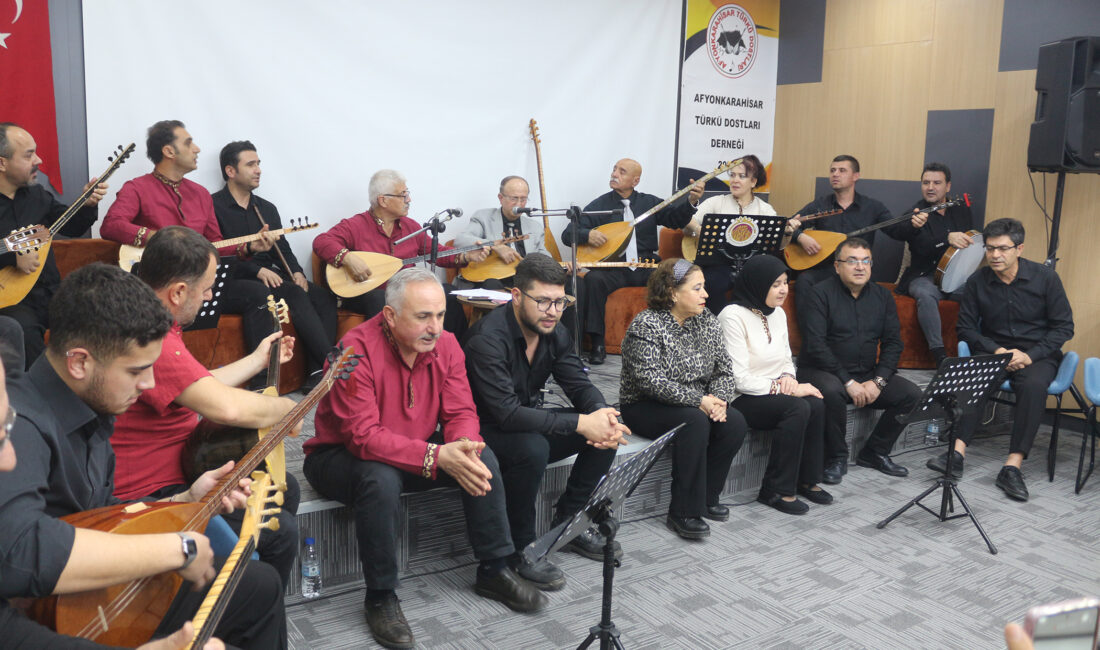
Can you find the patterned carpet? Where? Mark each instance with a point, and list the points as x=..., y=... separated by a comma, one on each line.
x=828, y=579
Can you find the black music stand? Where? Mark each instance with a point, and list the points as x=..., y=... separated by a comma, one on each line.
x=733, y=238
x=961, y=384
x=211, y=310
x=612, y=490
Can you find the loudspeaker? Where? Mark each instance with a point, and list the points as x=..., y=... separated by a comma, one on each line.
x=1065, y=135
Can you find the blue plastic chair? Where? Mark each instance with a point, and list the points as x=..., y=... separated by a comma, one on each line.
x=1062, y=382
x=1092, y=392
x=223, y=538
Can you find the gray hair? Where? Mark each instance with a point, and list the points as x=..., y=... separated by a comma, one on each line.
x=395, y=289
x=6, y=150
x=384, y=181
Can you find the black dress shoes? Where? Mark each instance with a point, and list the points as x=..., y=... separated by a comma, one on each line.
x=938, y=464
x=795, y=507
x=717, y=512
x=543, y=574
x=881, y=462
x=509, y=588
x=597, y=355
x=1011, y=481
x=818, y=496
x=835, y=471
x=387, y=622
x=590, y=544
x=688, y=527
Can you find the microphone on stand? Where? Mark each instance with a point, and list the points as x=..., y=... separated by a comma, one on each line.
x=523, y=210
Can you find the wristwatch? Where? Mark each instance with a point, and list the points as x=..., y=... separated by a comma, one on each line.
x=880, y=382
x=190, y=550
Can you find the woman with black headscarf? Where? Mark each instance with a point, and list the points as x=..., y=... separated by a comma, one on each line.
x=768, y=395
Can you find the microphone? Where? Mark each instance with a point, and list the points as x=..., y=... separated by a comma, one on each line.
x=453, y=212
x=522, y=210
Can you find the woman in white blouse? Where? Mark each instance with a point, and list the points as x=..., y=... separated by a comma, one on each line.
x=768, y=395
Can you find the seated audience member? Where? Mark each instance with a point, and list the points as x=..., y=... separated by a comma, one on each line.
x=510, y=353
x=149, y=438
x=740, y=200
x=676, y=370
x=599, y=284
x=25, y=203
x=929, y=236
x=496, y=223
x=851, y=344
x=274, y=272
x=376, y=231
x=106, y=331
x=768, y=395
x=377, y=437
x=1015, y=306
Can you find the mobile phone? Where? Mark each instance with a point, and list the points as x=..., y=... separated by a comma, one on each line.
x=1068, y=625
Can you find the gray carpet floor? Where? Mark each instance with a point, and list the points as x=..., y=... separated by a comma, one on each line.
x=829, y=579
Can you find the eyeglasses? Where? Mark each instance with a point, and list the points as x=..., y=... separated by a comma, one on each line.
x=999, y=249
x=544, y=304
x=404, y=195
x=851, y=261
x=9, y=424
x=516, y=199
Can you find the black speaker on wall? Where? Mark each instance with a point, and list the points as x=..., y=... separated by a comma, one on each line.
x=1065, y=135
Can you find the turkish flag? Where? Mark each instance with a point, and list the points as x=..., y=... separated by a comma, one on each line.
x=26, y=79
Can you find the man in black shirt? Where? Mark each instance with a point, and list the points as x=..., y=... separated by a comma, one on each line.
x=929, y=236
x=599, y=284
x=510, y=353
x=859, y=211
x=239, y=210
x=851, y=343
x=1020, y=307
x=24, y=203
x=106, y=331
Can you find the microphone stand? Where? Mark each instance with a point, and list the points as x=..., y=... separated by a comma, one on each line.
x=436, y=226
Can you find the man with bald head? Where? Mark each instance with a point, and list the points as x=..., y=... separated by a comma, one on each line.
x=599, y=284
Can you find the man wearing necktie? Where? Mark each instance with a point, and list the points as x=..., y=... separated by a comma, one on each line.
x=599, y=284
x=491, y=223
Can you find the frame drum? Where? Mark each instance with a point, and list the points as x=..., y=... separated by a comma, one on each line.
x=958, y=264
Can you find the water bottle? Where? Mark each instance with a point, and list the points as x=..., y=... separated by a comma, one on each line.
x=932, y=433
x=311, y=570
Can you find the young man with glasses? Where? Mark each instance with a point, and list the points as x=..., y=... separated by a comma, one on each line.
x=510, y=353
x=851, y=344
x=1015, y=306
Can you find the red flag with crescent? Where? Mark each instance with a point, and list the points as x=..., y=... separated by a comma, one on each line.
x=26, y=79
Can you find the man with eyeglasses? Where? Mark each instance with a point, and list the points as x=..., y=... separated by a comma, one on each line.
x=851, y=344
x=510, y=353
x=376, y=231
x=493, y=223
x=1015, y=306
x=929, y=236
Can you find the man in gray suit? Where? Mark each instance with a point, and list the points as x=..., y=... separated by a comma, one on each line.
x=494, y=223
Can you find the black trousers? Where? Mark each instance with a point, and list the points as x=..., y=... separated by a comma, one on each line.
x=33, y=321
x=373, y=490
x=1030, y=388
x=807, y=279
x=599, y=284
x=898, y=398
x=702, y=451
x=277, y=547
x=796, y=425
x=254, y=618
x=717, y=279
x=370, y=304
x=313, y=314
x=523, y=458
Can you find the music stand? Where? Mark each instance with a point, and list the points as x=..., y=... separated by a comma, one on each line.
x=612, y=490
x=734, y=238
x=211, y=310
x=961, y=384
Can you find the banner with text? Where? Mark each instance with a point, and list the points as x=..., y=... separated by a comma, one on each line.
x=728, y=69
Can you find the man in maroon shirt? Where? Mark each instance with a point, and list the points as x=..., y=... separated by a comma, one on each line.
x=376, y=437
x=375, y=231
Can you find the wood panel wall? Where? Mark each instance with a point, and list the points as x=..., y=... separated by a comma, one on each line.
x=886, y=64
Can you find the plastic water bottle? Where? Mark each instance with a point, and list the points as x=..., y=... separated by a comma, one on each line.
x=311, y=570
x=932, y=433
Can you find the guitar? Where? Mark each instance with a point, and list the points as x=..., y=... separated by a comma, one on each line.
x=799, y=260
x=128, y=255
x=619, y=232
x=127, y=614
x=211, y=445
x=689, y=245
x=15, y=284
x=383, y=267
x=548, y=236
x=221, y=590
